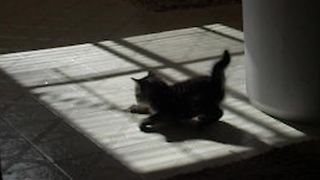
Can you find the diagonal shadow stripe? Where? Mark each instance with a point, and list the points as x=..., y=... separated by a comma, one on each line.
x=143, y=68
x=223, y=34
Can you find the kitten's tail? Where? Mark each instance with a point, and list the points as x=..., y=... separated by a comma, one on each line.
x=217, y=73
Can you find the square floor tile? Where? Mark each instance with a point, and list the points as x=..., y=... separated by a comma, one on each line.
x=68, y=148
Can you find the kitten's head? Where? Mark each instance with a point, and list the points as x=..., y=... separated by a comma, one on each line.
x=148, y=86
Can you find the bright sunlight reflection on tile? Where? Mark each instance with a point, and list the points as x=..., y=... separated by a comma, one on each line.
x=90, y=86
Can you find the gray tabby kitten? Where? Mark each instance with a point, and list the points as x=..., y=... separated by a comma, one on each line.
x=198, y=98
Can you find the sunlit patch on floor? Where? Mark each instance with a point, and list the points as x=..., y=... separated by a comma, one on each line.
x=89, y=85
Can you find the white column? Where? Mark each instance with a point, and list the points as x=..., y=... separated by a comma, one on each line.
x=283, y=57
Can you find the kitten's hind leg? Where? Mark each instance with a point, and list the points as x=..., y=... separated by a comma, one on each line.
x=139, y=109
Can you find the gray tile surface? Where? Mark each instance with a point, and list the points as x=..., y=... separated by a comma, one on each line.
x=68, y=147
x=96, y=166
x=42, y=172
x=20, y=160
x=89, y=87
x=62, y=108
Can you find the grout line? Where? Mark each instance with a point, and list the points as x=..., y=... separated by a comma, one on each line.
x=33, y=145
x=223, y=34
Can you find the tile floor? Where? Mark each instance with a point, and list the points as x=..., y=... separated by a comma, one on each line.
x=87, y=87
x=65, y=85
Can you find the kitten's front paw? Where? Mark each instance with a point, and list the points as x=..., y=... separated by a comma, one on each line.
x=147, y=126
x=132, y=109
x=137, y=109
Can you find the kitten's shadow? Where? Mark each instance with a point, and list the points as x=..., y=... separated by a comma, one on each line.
x=219, y=131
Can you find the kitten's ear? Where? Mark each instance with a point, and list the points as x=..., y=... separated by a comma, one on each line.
x=152, y=74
